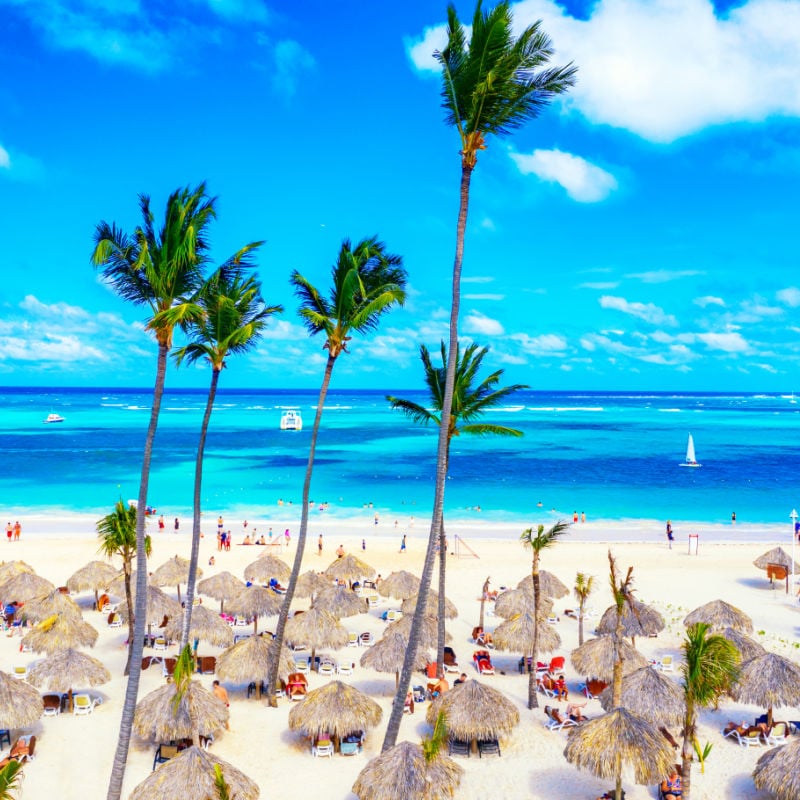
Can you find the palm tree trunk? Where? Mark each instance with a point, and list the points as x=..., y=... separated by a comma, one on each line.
x=198, y=482
x=140, y=615
x=440, y=622
x=580, y=622
x=484, y=593
x=126, y=567
x=274, y=656
x=533, y=699
x=437, y=523
x=687, y=748
x=616, y=690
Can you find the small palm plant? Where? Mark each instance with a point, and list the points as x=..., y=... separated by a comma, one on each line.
x=10, y=779
x=584, y=584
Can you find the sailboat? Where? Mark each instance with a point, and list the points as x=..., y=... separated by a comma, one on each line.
x=691, y=460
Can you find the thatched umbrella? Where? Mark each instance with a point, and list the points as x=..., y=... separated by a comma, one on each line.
x=316, y=628
x=604, y=746
x=428, y=630
x=336, y=709
x=25, y=586
x=776, y=556
x=747, y=647
x=159, y=719
x=159, y=605
x=8, y=569
x=191, y=776
x=255, y=601
x=387, y=655
x=221, y=586
x=172, y=573
x=778, y=771
x=719, y=614
x=311, y=583
x=549, y=584
x=59, y=632
x=768, y=680
x=93, y=576
x=515, y=601
x=517, y=634
x=340, y=601
x=349, y=568
x=247, y=661
x=649, y=694
x=595, y=658
x=53, y=603
x=206, y=625
x=64, y=669
x=638, y=619
x=403, y=772
x=20, y=704
x=475, y=711
x=400, y=584
x=266, y=567
x=432, y=608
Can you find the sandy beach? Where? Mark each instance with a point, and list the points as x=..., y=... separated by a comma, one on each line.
x=74, y=753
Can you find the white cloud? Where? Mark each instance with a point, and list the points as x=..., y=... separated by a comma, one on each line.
x=476, y=322
x=484, y=297
x=601, y=285
x=291, y=58
x=583, y=181
x=478, y=279
x=649, y=312
x=487, y=224
x=420, y=49
x=548, y=344
x=663, y=275
x=727, y=342
x=789, y=296
x=709, y=300
x=5, y=158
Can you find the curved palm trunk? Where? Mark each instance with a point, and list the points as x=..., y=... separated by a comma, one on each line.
x=140, y=614
x=687, y=748
x=274, y=653
x=533, y=700
x=616, y=691
x=581, y=608
x=198, y=482
x=484, y=597
x=393, y=728
x=126, y=568
x=440, y=623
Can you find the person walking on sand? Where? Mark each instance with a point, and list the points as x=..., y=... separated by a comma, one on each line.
x=9, y=531
x=17, y=531
x=670, y=537
x=161, y=523
x=288, y=537
x=319, y=545
x=403, y=544
x=177, y=524
x=222, y=693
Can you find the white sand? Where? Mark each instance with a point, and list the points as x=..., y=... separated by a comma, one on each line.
x=74, y=754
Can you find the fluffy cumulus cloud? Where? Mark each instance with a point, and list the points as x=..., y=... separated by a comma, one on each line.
x=291, y=60
x=789, y=296
x=583, y=181
x=709, y=300
x=548, y=344
x=475, y=322
x=649, y=312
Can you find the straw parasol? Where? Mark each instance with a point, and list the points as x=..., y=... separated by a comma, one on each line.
x=638, y=619
x=247, y=661
x=59, y=632
x=517, y=634
x=191, y=776
x=747, y=647
x=432, y=607
x=20, y=704
x=649, y=694
x=400, y=584
x=474, y=710
x=768, y=680
x=54, y=602
x=349, y=568
x=266, y=567
x=403, y=772
x=719, y=614
x=172, y=573
x=595, y=658
x=549, y=585
x=316, y=628
x=25, y=586
x=159, y=605
x=337, y=709
x=206, y=625
x=93, y=576
x=340, y=601
x=61, y=671
x=8, y=569
x=159, y=719
x=255, y=601
x=310, y=583
x=221, y=586
x=778, y=771
x=388, y=653
x=428, y=633
x=515, y=601
x=776, y=556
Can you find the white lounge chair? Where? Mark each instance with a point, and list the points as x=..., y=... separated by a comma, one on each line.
x=667, y=664
x=327, y=667
x=83, y=704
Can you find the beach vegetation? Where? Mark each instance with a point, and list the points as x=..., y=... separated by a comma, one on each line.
x=434, y=744
x=584, y=585
x=493, y=82
x=367, y=281
x=11, y=776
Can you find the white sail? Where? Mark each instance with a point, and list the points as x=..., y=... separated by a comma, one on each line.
x=691, y=459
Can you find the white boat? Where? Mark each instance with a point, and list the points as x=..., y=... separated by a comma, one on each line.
x=691, y=460
x=52, y=418
x=291, y=421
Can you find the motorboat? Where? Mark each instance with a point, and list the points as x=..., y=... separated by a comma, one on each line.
x=52, y=418
x=291, y=420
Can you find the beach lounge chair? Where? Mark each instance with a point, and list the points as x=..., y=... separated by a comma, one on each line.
x=22, y=750
x=83, y=704
x=450, y=663
x=114, y=620
x=5, y=736
x=168, y=667
x=667, y=664
x=418, y=693
x=488, y=746
x=752, y=737
x=322, y=747
x=366, y=639
x=555, y=722
x=207, y=665
x=349, y=748
x=373, y=599
x=592, y=688
x=352, y=639
x=345, y=668
x=52, y=704
x=483, y=662
x=251, y=689
x=486, y=639
x=776, y=734
x=20, y=673
x=296, y=686
x=476, y=632
x=327, y=666
x=392, y=615
x=458, y=747
x=160, y=643
x=301, y=665
x=546, y=686
x=164, y=752
x=556, y=665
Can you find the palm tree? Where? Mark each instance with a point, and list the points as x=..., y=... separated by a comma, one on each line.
x=622, y=593
x=491, y=86
x=537, y=542
x=117, y=534
x=484, y=597
x=470, y=402
x=709, y=667
x=233, y=321
x=159, y=269
x=584, y=584
x=10, y=779
x=367, y=282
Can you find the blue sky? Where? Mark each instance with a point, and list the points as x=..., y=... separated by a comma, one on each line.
x=642, y=234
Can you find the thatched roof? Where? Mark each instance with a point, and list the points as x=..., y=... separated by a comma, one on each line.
x=651, y=695
x=340, y=601
x=516, y=601
x=159, y=605
x=549, y=584
x=349, y=568
x=8, y=569
x=432, y=607
x=310, y=583
x=595, y=658
x=517, y=634
x=316, y=628
x=402, y=773
x=778, y=771
x=400, y=584
x=602, y=746
x=428, y=633
x=157, y=719
x=59, y=632
x=475, y=711
x=255, y=601
x=776, y=556
x=335, y=708
x=768, y=680
x=92, y=576
x=65, y=669
x=172, y=572
x=206, y=625
x=247, y=660
x=748, y=648
x=266, y=567
x=220, y=586
x=53, y=603
x=25, y=586
x=20, y=704
x=387, y=654
x=719, y=614
x=190, y=776
x=637, y=620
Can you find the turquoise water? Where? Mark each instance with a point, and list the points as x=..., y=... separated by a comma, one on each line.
x=608, y=455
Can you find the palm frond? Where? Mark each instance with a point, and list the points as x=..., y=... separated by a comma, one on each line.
x=487, y=429
x=543, y=539
x=414, y=411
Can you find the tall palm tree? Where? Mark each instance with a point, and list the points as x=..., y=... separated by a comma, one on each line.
x=490, y=87
x=537, y=542
x=710, y=666
x=584, y=585
x=117, y=534
x=234, y=318
x=367, y=281
x=470, y=402
x=622, y=594
x=159, y=269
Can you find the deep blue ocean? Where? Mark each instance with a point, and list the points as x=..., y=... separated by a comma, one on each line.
x=610, y=455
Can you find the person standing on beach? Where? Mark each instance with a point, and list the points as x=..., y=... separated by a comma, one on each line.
x=733, y=517
x=9, y=531
x=377, y=518
x=222, y=693
x=670, y=537
x=403, y=544
x=319, y=545
x=363, y=544
x=17, y=531
x=288, y=537
x=177, y=524
x=161, y=523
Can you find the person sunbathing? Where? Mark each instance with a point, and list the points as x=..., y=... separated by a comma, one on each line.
x=440, y=687
x=671, y=786
x=575, y=713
